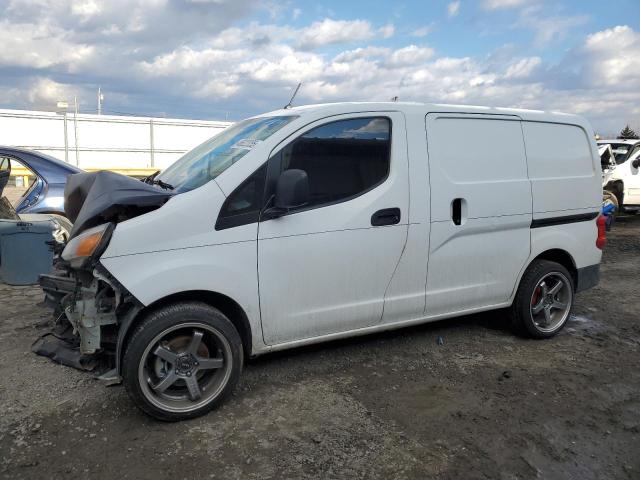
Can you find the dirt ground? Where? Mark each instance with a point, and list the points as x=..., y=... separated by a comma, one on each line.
x=13, y=193
x=484, y=404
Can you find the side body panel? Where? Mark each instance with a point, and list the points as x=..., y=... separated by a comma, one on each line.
x=564, y=168
x=565, y=173
x=476, y=263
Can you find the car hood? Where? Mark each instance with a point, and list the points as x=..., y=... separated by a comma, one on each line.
x=91, y=199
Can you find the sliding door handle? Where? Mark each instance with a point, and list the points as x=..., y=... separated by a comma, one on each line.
x=459, y=211
x=386, y=216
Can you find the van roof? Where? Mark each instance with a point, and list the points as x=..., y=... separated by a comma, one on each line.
x=423, y=108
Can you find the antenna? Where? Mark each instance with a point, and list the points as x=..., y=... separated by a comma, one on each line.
x=288, y=105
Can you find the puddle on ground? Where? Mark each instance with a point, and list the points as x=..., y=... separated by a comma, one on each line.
x=578, y=323
x=580, y=319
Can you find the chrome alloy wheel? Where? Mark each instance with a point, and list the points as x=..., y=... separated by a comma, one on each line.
x=551, y=302
x=185, y=367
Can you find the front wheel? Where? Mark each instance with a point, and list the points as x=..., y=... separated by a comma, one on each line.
x=544, y=300
x=182, y=361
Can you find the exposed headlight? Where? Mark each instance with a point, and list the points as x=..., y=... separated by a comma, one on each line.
x=89, y=243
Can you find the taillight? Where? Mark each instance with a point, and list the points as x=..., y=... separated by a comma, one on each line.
x=601, y=241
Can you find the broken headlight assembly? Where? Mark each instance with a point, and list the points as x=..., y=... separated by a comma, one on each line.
x=88, y=245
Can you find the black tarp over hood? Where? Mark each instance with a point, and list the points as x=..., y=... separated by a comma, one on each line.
x=91, y=199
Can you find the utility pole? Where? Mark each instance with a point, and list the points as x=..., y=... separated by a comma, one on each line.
x=100, y=99
x=75, y=126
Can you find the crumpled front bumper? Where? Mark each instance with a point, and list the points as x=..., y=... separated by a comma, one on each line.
x=55, y=288
x=88, y=305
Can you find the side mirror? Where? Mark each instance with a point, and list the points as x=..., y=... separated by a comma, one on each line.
x=636, y=163
x=292, y=191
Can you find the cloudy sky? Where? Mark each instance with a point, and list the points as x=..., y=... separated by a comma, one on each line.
x=213, y=59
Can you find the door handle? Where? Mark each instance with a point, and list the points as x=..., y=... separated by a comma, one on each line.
x=386, y=216
x=459, y=211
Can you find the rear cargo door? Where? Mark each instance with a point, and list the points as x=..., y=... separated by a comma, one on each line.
x=480, y=210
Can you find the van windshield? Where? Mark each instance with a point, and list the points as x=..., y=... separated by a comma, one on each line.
x=210, y=159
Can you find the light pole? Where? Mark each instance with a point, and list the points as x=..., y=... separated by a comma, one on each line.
x=100, y=99
x=62, y=107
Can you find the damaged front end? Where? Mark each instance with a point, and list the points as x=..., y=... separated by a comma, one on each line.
x=92, y=309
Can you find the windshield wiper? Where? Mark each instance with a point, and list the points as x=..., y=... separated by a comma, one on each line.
x=161, y=184
x=151, y=180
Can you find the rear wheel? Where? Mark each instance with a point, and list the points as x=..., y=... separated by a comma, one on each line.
x=544, y=300
x=182, y=361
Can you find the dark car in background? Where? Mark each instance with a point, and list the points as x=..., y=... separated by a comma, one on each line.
x=46, y=193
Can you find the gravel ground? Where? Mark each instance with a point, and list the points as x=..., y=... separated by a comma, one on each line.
x=484, y=404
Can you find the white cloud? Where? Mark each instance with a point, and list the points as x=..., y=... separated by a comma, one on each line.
x=45, y=93
x=549, y=28
x=453, y=8
x=410, y=55
x=39, y=46
x=387, y=31
x=150, y=24
x=614, y=56
x=330, y=31
x=423, y=31
x=523, y=68
x=500, y=4
x=206, y=63
x=86, y=9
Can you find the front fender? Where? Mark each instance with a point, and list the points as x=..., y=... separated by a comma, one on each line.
x=228, y=269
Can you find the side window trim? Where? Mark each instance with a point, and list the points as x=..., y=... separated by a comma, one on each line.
x=223, y=222
x=276, y=160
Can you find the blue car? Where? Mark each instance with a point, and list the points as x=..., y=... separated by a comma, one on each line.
x=46, y=194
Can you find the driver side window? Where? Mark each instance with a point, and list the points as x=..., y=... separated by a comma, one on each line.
x=343, y=159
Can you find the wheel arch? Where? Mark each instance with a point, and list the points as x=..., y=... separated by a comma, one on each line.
x=562, y=257
x=617, y=188
x=555, y=254
x=228, y=306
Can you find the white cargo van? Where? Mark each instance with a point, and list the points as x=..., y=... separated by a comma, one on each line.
x=321, y=222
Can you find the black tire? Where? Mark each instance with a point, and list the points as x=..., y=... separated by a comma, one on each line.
x=521, y=313
x=618, y=192
x=152, y=356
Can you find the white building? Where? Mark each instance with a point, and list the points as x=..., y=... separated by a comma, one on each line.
x=105, y=141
